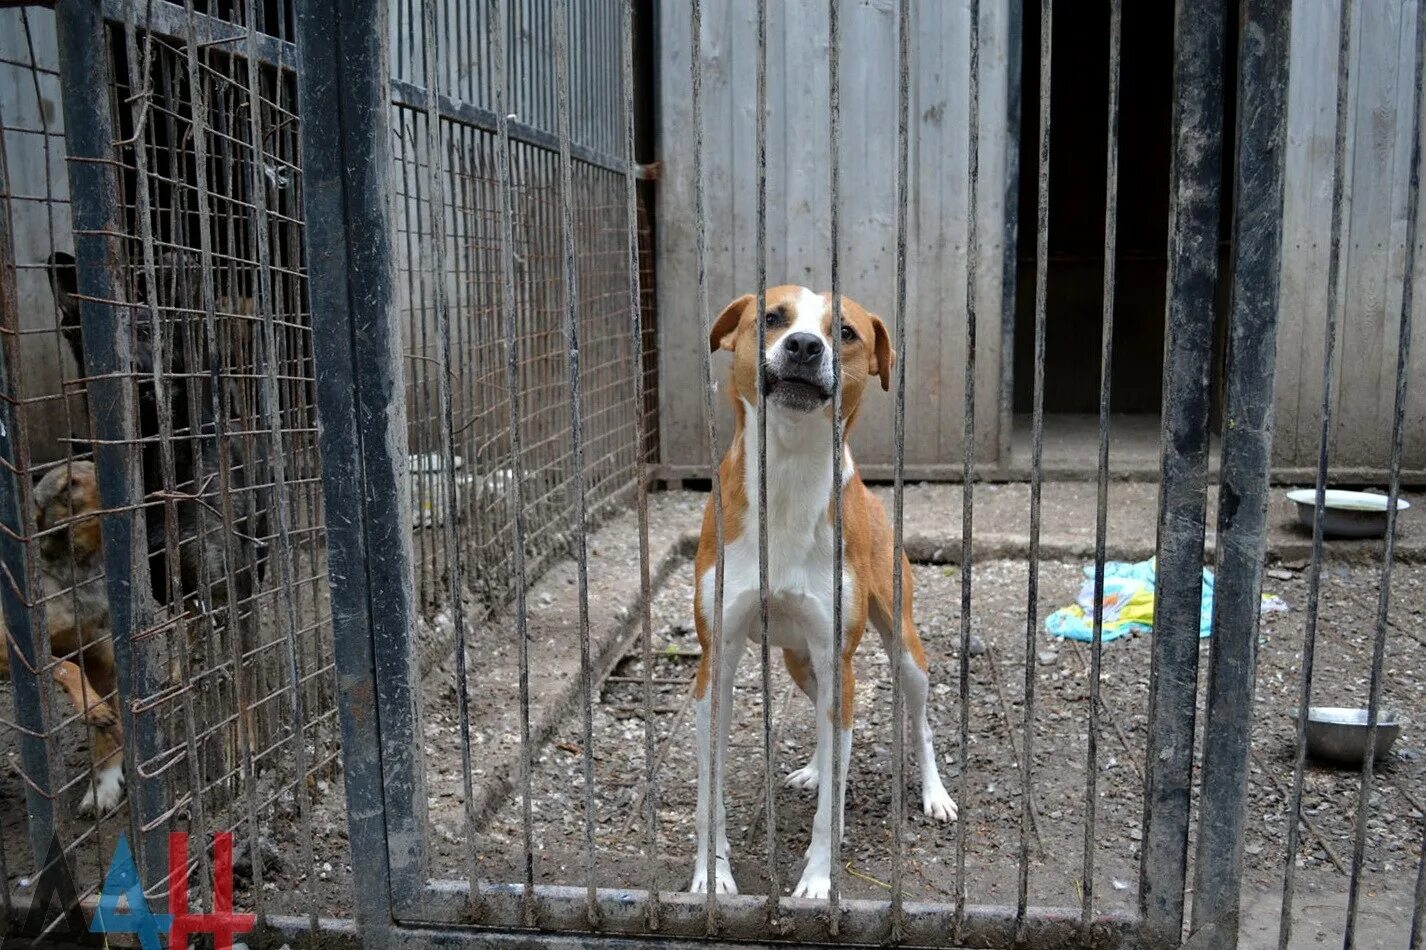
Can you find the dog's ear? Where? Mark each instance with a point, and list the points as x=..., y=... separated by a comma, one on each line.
x=883, y=357
x=725, y=329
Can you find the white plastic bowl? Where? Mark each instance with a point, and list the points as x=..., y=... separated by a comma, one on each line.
x=1346, y=514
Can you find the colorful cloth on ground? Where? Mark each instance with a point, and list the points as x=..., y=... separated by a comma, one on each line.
x=1129, y=604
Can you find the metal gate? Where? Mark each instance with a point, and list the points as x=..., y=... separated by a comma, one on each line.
x=424, y=220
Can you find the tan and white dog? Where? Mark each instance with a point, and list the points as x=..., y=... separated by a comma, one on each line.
x=798, y=400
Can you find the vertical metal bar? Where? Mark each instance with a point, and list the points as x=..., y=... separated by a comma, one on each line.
x=245, y=688
x=1418, y=915
x=1247, y=458
x=1009, y=255
x=1188, y=346
x=774, y=893
x=834, y=158
x=1101, y=511
x=1398, y=439
x=715, y=640
x=1329, y=372
x=968, y=435
x=271, y=399
x=898, y=497
x=641, y=473
x=343, y=92
x=139, y=79
x=576, y=431
x=98, y=216
x=500, y=57
x=449, y=509
x=1037, y=440
x=27, y=641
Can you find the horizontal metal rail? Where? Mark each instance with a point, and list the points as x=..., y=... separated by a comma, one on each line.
x=411, y=96
x=744, y=917
x=169, y=19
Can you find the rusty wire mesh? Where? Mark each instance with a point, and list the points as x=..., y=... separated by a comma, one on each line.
x=52, y=599
x=484, y=471
x=236, y=728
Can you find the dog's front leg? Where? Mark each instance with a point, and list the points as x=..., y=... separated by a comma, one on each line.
x=710, y=797
x=816, y=879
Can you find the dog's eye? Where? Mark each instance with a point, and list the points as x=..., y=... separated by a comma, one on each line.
x=848, y=334
x=774, y=318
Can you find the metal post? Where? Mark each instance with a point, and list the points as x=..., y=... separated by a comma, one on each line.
x=1188, y=347
x=1398, y=439
x=28, y=642
x=1340, y=186
x=1037, y=442
x=1247, y=456
x=98, y=224
x=1101, y=508
x=967, y=442
x=343, y=91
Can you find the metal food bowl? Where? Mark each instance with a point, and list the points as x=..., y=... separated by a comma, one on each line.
x=1345, y=514
x=1340, y=734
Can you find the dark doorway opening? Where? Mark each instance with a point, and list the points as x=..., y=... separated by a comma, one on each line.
x=1074, y=319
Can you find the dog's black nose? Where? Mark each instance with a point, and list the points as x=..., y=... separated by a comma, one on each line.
x=803, y=347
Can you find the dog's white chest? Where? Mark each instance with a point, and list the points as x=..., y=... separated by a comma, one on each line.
x=800, y=548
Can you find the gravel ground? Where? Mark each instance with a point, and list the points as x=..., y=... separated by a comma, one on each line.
x=991, y=802
x=988, y=788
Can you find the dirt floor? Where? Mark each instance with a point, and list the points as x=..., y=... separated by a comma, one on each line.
x=989, y=787
x=986, y=779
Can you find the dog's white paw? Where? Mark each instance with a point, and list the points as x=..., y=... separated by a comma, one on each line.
x=938, y=804
x=817, y=886
x=104, y=793
x=806, y=777
x=723, y=878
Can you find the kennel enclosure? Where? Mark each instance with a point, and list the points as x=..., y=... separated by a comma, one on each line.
x=365, y=302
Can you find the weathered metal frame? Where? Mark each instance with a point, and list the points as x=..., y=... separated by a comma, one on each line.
x=345, y=89
x=1247, y=459
x=86, y=74
x=89, y=136
x=1194, y=198
x=382, y=779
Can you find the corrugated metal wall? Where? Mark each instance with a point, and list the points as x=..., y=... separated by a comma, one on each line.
x=1373, y=243
x=798, y=210
x=38, y=186
x=798, y=202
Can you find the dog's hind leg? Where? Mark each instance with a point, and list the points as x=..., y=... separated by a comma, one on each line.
x=935, y=800
x=799, y=667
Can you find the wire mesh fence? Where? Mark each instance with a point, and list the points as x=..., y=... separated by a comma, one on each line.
x=461, y=194
x=435, y=231
x=165, y=387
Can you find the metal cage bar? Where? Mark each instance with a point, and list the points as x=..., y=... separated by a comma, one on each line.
x=1398, y=441
x=1247, y=455
x=1335, y=291
x=1192, y=281
x=898, y=512
x=1037, y=444
x=345, y=143
x=1101, y=499
x=89, y=137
